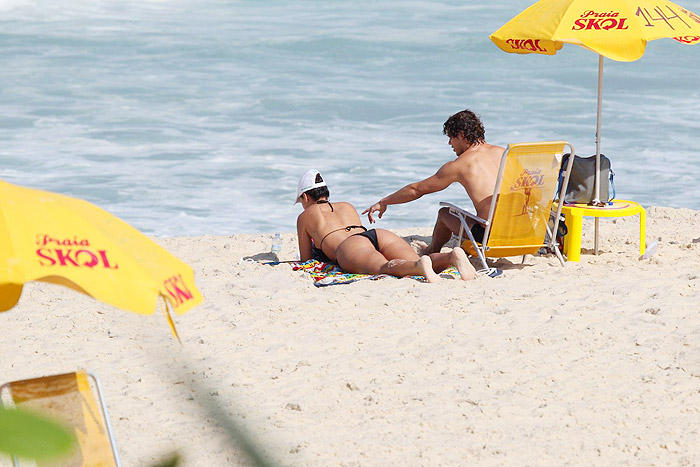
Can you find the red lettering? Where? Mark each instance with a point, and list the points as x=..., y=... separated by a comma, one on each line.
x=105, y=261
x=608, y=24
x=593, y=23
x=609, y=14
x=599, y=24
x=528, y=180
x=40, y=253
x=46, y=239
x=77, y=258
x=529, y=44
x=578, y=25
x=177, y=290
x=65, y=258
x=92, y=258
x=599, y=20
x=688, y=39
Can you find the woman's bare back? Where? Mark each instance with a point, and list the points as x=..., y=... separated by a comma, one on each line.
x=329, y=224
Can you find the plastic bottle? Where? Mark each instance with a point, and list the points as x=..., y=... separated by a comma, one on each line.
x=276, y=243
x=650, y=250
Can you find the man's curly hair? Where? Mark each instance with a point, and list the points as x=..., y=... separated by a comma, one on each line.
x=467, y=124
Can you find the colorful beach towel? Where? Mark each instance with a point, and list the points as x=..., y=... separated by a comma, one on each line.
x=324, y=274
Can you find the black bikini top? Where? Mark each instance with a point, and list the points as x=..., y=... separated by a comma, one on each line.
x=325, y=201
x=347, y=229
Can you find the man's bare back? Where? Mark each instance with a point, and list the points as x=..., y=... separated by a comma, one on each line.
x=477, y=170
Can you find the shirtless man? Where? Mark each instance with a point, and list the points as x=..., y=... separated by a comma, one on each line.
x=475, y=168
x=334, y=232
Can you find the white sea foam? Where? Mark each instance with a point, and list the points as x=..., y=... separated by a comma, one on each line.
x=188, y=118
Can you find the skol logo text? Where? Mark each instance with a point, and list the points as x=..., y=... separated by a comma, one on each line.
x=526, y=44
x=43, y=239
x=688, y=39
x=599, y=20
x=71, y=252
x=74, y=257
x=529, y=179
x=177, y=289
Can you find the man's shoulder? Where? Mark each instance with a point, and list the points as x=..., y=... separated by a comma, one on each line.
x=473, y=155
x=493, y=147
x=486, y=148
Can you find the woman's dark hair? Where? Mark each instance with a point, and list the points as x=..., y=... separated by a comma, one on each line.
x=318, y=192
x=467, y=124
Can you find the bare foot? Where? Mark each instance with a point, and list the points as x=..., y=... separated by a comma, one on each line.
x=419, y=246
x=462, y=263
x=426, y=266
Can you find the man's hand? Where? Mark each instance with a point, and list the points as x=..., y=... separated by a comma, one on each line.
x=375, y=207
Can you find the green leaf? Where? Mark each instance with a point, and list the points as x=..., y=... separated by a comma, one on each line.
x=173, y=460
x=25, y=434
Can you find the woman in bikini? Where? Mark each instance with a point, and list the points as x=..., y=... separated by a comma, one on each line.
x=335, y=233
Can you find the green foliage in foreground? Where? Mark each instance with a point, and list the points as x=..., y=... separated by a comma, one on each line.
x=173, y=460
x=24, y=434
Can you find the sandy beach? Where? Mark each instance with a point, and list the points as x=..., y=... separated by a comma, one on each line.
x=597, y=363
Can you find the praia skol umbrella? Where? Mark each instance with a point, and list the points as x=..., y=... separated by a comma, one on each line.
x=617, y=29
x=54, y=238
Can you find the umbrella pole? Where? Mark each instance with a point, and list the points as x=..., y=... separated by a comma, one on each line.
x=596, y=185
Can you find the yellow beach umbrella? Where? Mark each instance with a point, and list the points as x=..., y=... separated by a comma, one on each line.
x=617, y=29
x=67, y=241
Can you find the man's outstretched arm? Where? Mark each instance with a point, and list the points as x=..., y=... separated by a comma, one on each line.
x=437, y=182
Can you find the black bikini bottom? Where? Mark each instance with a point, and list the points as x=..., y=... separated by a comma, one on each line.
x=371, y=235
x=320, y=255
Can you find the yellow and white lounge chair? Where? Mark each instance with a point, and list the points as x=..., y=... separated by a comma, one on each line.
x=71, y=399
x=521, y=204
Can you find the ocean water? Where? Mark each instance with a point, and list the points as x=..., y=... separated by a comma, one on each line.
x=198, y=117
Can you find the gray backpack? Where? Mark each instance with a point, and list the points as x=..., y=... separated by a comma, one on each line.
x=582, y=179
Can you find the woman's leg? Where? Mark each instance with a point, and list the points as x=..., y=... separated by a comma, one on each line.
x=403, y=267
x=402, y=257
x=457, y=258
x=357, y=255
x=394, y=247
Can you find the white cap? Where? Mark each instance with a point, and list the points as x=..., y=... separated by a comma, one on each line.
x=308, y=182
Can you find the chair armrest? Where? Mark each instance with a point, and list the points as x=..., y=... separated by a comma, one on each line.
x=455, y=210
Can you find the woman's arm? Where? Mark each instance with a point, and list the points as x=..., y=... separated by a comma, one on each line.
x=305, y=251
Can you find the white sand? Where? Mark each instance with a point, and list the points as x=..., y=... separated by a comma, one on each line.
x=597, y=363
